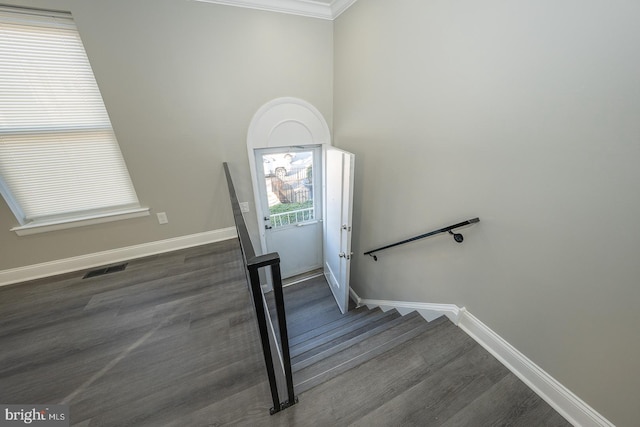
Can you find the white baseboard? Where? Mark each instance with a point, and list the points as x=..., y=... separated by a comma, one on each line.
x=570, y=406
x=426, y=310
x=37, y=271
x=355, y=297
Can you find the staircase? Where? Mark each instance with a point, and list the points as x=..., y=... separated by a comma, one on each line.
x=337, y=346
x=376, y=367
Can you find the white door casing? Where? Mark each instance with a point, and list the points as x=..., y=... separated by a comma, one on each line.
x=282, y=122
x=292, y=122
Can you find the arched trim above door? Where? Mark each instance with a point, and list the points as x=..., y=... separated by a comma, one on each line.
x=287, y=121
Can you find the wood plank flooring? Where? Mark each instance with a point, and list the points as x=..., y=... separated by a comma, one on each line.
x=172, y=341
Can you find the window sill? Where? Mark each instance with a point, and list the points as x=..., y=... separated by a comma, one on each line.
x=43, y=227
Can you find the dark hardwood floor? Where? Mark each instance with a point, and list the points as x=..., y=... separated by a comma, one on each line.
x=172, y=341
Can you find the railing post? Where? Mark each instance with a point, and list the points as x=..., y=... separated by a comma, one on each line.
x=284, y=335
x=252, y=265
x=264, y=337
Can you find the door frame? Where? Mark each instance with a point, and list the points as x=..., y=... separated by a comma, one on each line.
x=299, y=230
x=282, y=122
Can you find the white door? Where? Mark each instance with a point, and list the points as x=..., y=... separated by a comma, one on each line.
x=291, y=205
x=338, y=201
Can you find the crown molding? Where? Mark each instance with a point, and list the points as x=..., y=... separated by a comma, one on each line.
x=339, y=6
x=308, y=8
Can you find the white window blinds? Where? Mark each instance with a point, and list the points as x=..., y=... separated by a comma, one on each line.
x=59, y=157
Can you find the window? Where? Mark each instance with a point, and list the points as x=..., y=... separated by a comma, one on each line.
x=60, y=163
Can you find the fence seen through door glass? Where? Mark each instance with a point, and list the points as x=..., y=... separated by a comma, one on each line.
x=289, y=181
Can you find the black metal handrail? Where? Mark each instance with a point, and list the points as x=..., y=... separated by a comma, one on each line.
x=456, y=236
x=253, y=264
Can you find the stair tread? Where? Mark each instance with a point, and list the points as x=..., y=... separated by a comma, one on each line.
x=361, y=323
x=381, y=322
x=305, y=320
x=350, y=316
x=358, y=342
x=361, y=352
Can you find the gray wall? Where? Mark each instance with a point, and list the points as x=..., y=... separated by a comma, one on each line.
x=526, y=114
x=181, y=81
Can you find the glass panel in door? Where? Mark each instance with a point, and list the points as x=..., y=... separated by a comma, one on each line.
x=289, y=180
x=291, y=202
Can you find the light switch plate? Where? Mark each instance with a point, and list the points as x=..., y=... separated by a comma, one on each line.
x=162, y=217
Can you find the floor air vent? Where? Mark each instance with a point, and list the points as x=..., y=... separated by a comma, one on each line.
x=105, y=270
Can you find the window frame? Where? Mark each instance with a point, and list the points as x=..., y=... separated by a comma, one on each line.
x=72, y=125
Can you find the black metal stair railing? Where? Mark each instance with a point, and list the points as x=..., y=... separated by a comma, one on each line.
x=456, y=236
x=276, y=352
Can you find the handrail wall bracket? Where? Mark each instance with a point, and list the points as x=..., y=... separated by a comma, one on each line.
x=456, y=236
